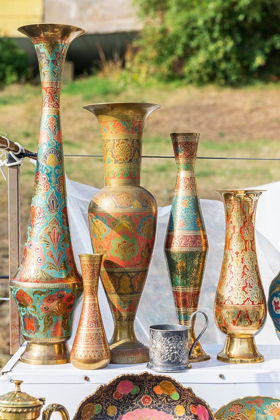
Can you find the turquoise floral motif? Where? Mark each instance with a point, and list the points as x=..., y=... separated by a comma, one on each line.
x=46, y=314
x=118, y=126
x=99, y=227
x=48, y=227
x=147, y=226
x=185, y=214
x=51, y=57
x=47, y=285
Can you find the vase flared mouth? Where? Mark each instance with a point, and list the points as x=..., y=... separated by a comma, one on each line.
x=90, y=256
x=240, y=192
x=61, y=32
x=121, y=109
x=185, y=136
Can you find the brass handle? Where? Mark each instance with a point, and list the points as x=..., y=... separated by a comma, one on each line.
x=192, y=319
x=52, y=408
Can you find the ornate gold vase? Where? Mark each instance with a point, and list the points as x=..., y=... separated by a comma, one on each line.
x=47, y=285
x=240, y=305
x=90, y=349
x=186, y=242
x=122, y=219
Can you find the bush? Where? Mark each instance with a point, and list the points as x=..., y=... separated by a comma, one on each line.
x=209, y=41
x=14, y=63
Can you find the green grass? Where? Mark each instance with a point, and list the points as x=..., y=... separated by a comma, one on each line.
x=91, y=87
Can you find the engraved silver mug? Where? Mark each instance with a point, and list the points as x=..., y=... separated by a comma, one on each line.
x=169, y=345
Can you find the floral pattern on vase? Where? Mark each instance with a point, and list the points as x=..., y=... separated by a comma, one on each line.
x=186, y=244
x=240, y=305
x=47, y=285
x=90, y=349
x=122, y=220
x=154, y=397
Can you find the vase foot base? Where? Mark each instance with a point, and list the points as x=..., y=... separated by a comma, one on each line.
x=46, y=354
x=240, y=350
x=129, y=352
x=90, y=365
x=199, y=354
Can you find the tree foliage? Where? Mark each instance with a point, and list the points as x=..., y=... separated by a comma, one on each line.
x=14, y=63
x=210, y=41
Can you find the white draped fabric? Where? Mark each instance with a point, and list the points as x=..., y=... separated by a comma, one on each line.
x=157, y=305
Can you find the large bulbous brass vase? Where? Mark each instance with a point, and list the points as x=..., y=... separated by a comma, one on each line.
x=122, y=219
x=240, y=305
x=47, y=285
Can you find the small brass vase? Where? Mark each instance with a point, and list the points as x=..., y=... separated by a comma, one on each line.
x=240, y=305
x=18, y=405
x=186, y=244
x=90, y=349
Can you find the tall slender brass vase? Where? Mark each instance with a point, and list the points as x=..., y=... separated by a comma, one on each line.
x=122, y=219
x=47, y=285
x=186, y=242
x=90, y=349
x=240, y=305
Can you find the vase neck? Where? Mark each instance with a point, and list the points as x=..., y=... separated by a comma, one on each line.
x=48, y=233
x=122, y=150
x=90, y=265
x=50, y=163
x=240, y=212
x=185, y=180
x=185, y=150
x=51, y=57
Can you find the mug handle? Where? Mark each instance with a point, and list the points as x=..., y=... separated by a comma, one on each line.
x=52, y=408
x=202, y=331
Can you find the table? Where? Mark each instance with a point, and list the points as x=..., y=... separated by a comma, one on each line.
x=216, y=382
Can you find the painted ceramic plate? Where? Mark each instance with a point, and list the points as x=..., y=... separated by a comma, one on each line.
x=250, y=408
x=143, y=397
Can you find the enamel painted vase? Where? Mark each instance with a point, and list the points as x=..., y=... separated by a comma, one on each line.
x=274, y=303
x=186, y=244
x=90, y=349
x=122, y=220
x=240, y=305
x=47, y=285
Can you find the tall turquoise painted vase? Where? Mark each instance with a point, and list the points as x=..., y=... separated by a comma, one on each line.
x=186, y=244
x=47, y=285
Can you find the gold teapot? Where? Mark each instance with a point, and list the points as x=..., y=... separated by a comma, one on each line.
x=18, y=405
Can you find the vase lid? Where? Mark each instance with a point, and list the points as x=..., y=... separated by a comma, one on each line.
x=17, y=400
